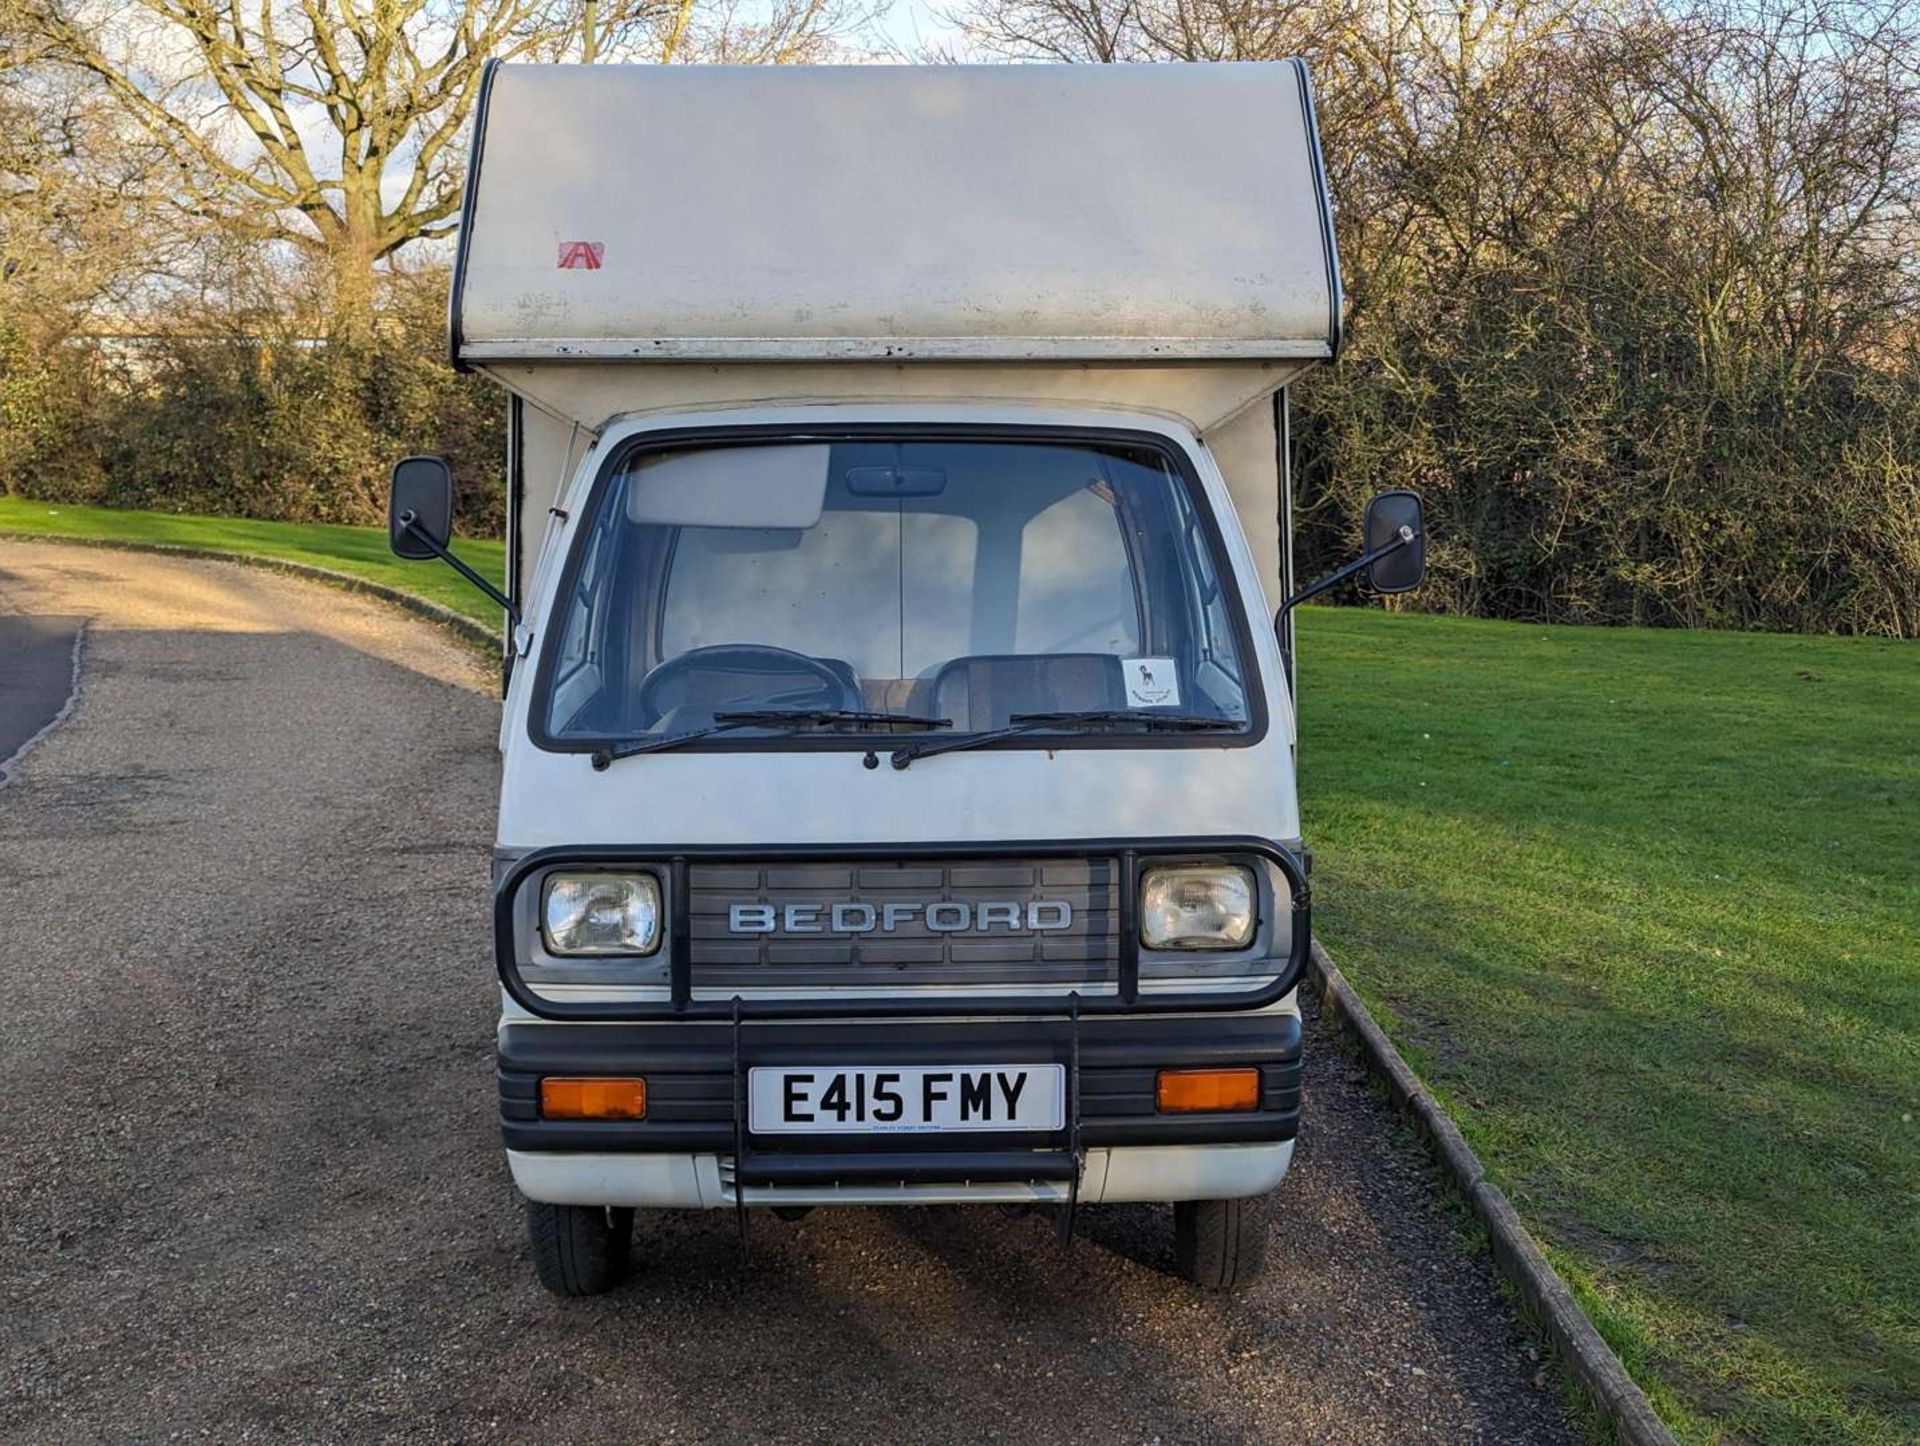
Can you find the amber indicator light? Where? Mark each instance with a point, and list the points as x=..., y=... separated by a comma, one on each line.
x=593, y=1099
x=1193, y=1091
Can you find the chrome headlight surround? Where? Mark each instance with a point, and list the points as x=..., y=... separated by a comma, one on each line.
x=600, y=914
x=1208, y=907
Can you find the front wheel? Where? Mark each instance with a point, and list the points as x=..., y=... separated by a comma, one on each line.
x=579, y=1249
x=1220, y=1244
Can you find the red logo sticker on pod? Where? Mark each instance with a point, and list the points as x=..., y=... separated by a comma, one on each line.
x=582, y=255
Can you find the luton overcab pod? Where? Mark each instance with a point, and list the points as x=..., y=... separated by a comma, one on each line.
x=1154, y=236
x=898, y=794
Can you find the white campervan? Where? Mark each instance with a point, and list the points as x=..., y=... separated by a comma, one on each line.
x=898, y=799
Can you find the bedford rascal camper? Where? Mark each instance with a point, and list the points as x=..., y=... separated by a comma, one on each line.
x=898, y=790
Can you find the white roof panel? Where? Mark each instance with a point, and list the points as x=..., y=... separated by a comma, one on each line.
x=722, y=213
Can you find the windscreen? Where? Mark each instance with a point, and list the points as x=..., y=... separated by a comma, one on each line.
x=973, y=582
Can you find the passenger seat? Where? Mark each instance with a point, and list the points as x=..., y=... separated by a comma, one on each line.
x=985, y=691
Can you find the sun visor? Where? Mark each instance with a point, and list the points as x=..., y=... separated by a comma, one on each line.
x=766, y=487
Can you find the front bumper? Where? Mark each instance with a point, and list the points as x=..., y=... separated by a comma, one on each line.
x=692, y=1149
x=1157, y=1173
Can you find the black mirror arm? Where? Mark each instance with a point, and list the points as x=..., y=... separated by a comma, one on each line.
x=1405, y=538
x=420, y=534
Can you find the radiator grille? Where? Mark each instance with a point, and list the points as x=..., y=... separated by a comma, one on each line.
x=1086, y=950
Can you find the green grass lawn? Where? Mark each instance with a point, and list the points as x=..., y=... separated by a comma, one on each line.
x=1644, y=907
x=361, y=551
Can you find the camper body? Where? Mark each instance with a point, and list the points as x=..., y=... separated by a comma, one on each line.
x=898, y=795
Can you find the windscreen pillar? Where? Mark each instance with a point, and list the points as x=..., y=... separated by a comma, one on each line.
x=545, y=452
x=1247, y=449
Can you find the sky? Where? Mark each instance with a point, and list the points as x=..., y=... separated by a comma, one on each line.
x=911, y=25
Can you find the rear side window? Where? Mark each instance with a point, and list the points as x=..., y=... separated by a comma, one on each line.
x=1077, y=587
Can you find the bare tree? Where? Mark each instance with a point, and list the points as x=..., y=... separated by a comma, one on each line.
x=77, y=228
x=1633, y=286
x=75, y=201
x=334, y=125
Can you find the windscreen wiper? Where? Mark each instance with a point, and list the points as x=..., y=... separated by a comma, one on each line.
x=727, y=722
x=1038, y=722
x=829, y=715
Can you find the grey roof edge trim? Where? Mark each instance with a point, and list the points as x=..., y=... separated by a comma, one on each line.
x=1336, y=294
x=1118, y=349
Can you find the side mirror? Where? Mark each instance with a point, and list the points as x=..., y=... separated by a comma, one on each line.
x=420, y=521
x=1396, y=517
x=422, y=496
x=1395, y=558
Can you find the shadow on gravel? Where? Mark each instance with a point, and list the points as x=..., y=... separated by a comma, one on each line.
x=36, y=676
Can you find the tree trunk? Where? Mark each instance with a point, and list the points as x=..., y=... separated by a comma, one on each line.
x=353, y=243
x=351, y=292
x=350, y=308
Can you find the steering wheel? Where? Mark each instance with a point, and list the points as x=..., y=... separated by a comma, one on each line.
x=741, y=664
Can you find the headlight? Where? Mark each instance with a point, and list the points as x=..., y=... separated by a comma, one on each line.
x=601, y=913
x=1208, y=907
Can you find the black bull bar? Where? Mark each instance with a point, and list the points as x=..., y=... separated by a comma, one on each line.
x=672, y=864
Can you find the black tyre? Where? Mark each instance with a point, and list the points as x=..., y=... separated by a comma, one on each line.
x=1220, y=1244
x=579, y=1249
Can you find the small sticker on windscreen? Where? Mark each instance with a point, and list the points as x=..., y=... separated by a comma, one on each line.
x=1151, y=682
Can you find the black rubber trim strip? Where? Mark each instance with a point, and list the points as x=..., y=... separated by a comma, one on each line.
x=1283, y=619
x=680, y=929
x=516, y=498
x=704, y=1047
x=1129, y=941
x=1336, y=295
x=711, y=1105
x=905, y=1167
x=944, y=1006
x=706, y=1137
x=519, y=1104
x=470, y=195
x=705, y=1099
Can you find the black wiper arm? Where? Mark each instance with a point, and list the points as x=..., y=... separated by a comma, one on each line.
x=757, y=718
x=604, y=756
x=1036, y=722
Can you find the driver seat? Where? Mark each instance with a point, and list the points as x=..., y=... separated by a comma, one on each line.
x=729, y=679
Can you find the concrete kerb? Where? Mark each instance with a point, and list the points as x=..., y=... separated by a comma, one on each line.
x=1515, y=1252
x=479, y=634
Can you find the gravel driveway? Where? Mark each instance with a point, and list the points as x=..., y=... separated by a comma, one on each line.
x=250, y=1184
